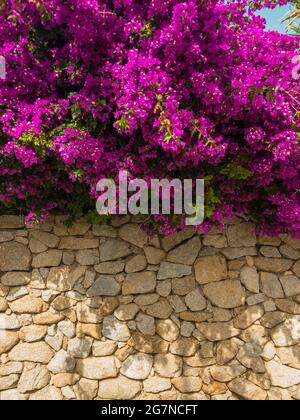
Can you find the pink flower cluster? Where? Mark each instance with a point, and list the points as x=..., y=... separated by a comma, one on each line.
x=160, y=88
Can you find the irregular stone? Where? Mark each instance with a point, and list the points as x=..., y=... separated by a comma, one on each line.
x=186, y=253
x=242, y=234
x=211, y=269
x=114, y=249
x=137, y=366
x=63, y=279
x=91, y=330
x=115, y=330
x=160, y=309
x=282, y=376
x=226, y=374
x=287, y=334
x=227, y=294
x=33, y=378
x=177, y=304
x=11, y=368
x=3, y=305
x=263, y=381
x=8, y=340
x=164, y=288
x=291, y=285
x=49, y=393
x=236, y=253
x=61, y=362
x=290, y=356
x=48, y=318
x=167, y=329
x=249, y=317
x=9, y=322
x=110, y=267
x=28, y=305
x=139, y=283
x=67, y=328
x=273, y=265
x=195, y=301
x=172, y=241
x=105, y=285
x=145, y=324
x=33, y=333
x=48, y=239
x=6, y=237
x=87, y=315
x=133, y=234
x=119, y=389
x=256, y=299
x=198, y=361
x=88, y=257
x=170, y=270
x=183, y=286
x=157, y=385
x=247, y=390
x=16, y=293
x=154, y=255
x=86, y=389
x=80, y=348
x=218, y=331
x=296, y=269
x=56, y=341
x=271, y=320
x=195, y=316
x=187, y=329
x=250, y=279
x=215, y=389
x=31, y=352
x=37, y=247
x=14, y=257
x=136, y=264
x=288, y=306
x=249, y=356
x=269, y=352
x=126, y=312
x=62, y=380
x=97, y=368
x=50, y=258
x=12, y=395
x=104, y=348
x=215, y=241
x=77, y=244
x=271, y=286
x=227, y=351
x=293, y=243
x=168, y=365
x=289, y=252
x=187, y=384
x=270, y=252
x=185, y=347
x=8, y=382
x=148, y=344
x=61, y=303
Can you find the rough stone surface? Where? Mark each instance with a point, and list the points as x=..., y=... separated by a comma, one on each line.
x=139, y=283
x=210, y=269
x=14, y=257
x=106, y=312
x=97, y=368
x=227, y=294
x=119, y=389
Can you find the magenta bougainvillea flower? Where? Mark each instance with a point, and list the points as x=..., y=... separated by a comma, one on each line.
x=160, y=88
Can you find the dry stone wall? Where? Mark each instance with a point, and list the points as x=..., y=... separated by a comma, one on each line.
x=105, y=312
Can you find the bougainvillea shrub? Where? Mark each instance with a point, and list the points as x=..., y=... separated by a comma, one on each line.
x=160, y=88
